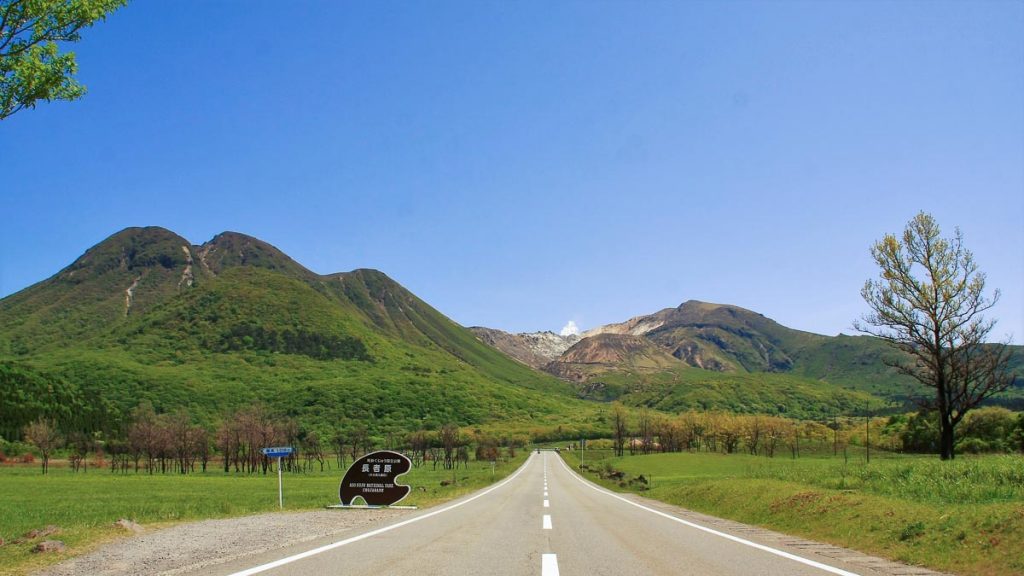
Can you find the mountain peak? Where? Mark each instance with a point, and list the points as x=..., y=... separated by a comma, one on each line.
x=230, y=249
x=697, y=304
x=130, y=249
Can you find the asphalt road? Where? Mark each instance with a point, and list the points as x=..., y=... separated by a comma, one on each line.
x=545, y=520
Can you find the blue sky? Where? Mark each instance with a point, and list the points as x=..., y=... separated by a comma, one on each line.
x=522, y=164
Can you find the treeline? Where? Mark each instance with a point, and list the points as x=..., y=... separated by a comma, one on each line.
x=986, y=430
x=724, y=432
x=155, y=443
x=312, y=344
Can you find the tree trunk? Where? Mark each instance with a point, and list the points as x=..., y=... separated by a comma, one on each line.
x=946, y=439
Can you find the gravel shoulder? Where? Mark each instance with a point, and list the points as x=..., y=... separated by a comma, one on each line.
x=196, y=545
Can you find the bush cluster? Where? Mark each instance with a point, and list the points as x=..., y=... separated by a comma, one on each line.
x=982, y=431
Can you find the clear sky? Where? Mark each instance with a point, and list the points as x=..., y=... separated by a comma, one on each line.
x=523, y=164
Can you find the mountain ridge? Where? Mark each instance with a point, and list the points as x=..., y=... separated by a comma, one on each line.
x=147, y=315
x=731, y=341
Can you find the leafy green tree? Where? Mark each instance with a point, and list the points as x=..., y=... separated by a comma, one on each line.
x=921, y=433
x=987, y=430
x=32, y=67
x=928, y=302
x=1017, y=436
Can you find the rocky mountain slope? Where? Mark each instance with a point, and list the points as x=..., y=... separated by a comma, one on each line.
x=718, y=345
x=600, y=352
x=535, y=349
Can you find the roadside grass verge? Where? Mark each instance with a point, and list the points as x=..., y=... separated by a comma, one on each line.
x=965, y=516
x=85, y=505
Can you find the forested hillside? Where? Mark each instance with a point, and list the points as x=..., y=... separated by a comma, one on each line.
x=146, y=316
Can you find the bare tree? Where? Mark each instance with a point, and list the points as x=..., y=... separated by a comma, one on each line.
x=449, y=437
x=229, y=441
x=143, y=435
x=79, y=444
x=202, y=445
x=338, y=442
x=486, y=448
x=313, y=450
x=359, y=439
x=752, y=434
x=419, y=443
x=619, y=427
x=928, y=303
x=645, y=429
x=44, y=436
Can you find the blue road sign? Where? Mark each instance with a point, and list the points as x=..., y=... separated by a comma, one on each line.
x=277, y=451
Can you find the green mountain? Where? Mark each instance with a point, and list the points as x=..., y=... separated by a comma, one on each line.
x=145, y=315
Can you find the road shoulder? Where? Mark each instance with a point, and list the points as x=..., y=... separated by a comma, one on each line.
x=194, y=546
x=844, y=558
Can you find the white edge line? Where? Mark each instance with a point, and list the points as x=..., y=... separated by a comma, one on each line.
x=549, y=565
x=737, y=539
x=332, y=546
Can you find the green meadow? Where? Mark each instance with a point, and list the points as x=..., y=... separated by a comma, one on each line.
x=85, y=505
x=965, y=516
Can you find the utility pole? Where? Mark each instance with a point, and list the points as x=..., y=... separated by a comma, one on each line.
x=835, y=434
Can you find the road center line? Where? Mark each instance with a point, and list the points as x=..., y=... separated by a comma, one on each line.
x=332, y=546
x=736, y=539
x=548, y=565
x=547, y=504
x=547, y=521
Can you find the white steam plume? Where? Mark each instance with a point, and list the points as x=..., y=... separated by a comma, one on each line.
x=570, y=329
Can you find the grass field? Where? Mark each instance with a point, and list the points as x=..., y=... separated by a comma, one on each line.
x=85, y=506
x=965, y=516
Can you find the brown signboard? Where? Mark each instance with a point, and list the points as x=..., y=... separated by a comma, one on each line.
x=372, y=478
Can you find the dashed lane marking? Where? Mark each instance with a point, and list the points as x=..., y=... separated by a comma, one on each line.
x=549, y=565
x=547, y=521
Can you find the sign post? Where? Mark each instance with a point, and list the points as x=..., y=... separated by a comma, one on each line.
x=278, y=452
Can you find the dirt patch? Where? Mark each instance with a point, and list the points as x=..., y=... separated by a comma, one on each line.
x=797, y=501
